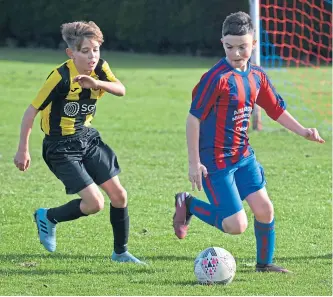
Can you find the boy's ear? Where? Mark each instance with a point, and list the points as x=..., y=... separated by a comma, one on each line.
x=254, y=43
x=69, y=53
x=221, y=39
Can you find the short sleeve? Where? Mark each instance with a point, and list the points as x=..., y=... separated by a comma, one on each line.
x=269, y=99
x=107, y=73
x=204, y=96
x=48, y=92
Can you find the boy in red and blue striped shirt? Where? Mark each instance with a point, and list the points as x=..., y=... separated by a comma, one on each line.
x=220, y=157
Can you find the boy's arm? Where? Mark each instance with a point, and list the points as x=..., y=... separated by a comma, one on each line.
x=192, y=136
x=22, y=158
x=204, y=96
x=113, y=87
x=275, y=108
x=196, y=169
x=288, y=121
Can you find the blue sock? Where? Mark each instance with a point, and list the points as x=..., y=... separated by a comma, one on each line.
x=265, y=236
x=206, y=213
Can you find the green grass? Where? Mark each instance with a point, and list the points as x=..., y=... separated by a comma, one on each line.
x=147, y=131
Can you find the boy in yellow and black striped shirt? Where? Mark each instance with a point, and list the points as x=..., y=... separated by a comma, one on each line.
x=73, y=150
x=67, y=108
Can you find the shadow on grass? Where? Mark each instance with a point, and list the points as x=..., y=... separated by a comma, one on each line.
x=28, y=257
x=326, y=256
x=32, y=264
x=87, y=258
x=238, y=260
x=29, y=265
x=134, y=269
x=173, y=282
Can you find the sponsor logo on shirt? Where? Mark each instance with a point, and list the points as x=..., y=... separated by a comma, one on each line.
x=72, y=109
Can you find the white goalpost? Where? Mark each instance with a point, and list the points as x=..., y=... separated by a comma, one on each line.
x=255, y=16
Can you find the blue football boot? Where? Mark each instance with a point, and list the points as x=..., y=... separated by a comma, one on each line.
x=126, y=257
x=46, y=230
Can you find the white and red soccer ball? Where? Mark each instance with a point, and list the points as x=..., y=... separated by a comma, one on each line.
x=215, y=265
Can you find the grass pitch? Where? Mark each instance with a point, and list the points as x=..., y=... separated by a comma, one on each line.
x=147, y=131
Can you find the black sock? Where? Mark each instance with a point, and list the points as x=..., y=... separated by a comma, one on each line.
x=67, y=212
x=120, y=224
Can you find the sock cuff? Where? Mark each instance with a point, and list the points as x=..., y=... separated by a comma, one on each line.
x=191, y=204
x=118, y=214
x=78, y=203
x=264, y=226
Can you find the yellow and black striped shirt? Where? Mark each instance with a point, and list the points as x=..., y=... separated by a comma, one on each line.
x=65, y=107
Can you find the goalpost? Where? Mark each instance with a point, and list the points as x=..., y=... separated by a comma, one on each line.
x=255, y=16
x=296, y=34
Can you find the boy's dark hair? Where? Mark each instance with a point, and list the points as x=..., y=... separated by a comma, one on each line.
x=238, y=23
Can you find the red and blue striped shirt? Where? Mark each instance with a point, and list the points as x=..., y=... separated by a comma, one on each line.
x=223, y=101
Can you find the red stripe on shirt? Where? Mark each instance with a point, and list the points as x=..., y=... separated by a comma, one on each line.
x=267, y=98
x=241, y=104
x=222, y=111
x=211, y=101
x=202, y=96
x=253, y=88
x=253, y=97
x=195, y=90
x=260, y=74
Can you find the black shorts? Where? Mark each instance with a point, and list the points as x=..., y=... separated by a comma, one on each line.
x=78, y=161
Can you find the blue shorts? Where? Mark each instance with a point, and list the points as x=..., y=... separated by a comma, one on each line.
x=227, y=188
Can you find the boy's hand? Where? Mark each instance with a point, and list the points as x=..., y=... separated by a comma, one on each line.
x=313, y=135
x=86, y=82
x=195, y=173
x=22, y=160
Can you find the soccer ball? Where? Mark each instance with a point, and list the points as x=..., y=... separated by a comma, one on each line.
x=215, y=265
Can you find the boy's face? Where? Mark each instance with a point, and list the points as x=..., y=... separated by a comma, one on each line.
x=87, y=57
x=238, y=49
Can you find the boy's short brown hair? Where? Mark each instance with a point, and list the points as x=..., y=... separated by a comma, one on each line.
x=238, y=23
x=74, y=33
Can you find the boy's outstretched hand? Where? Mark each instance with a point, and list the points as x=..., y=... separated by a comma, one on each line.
x=195, y=173
x=86, y=81
x=312, y=134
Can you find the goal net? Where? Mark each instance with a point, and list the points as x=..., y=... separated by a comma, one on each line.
x=295, y=40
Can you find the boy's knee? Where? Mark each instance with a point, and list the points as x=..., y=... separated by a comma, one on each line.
x=235, y=224
x=119, y=198
x=265, y=213
x=95, y=204
x=235, y=227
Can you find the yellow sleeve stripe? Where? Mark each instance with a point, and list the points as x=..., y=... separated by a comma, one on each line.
x=109, y=75
x=44, y=96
